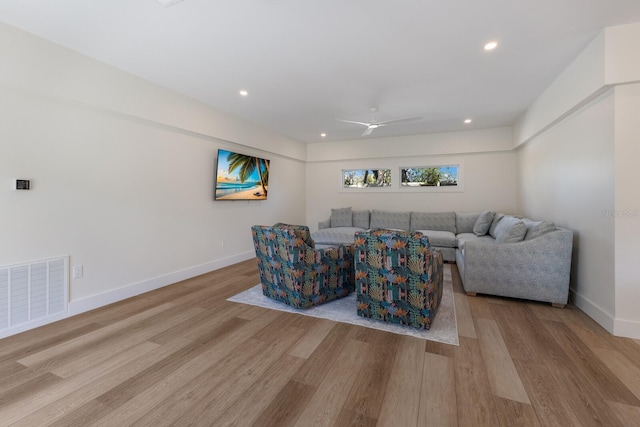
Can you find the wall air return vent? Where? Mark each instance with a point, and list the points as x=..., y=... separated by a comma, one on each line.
x=33, y=292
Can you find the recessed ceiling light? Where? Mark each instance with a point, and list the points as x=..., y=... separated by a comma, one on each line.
x=323, y=135
x=491, y=45
x=467, y=121
x=243, y=93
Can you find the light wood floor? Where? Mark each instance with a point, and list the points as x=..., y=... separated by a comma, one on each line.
x=183, y=355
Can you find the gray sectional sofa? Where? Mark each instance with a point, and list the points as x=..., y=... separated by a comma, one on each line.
x=496, y=254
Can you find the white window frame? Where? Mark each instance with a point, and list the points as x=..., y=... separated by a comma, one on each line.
x=366, y=189
x=434, y=189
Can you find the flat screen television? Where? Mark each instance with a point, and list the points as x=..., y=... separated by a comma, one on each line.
x=241, y=177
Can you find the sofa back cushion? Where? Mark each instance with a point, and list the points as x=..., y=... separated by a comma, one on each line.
x=483, y=223
x=537, y=228
x=510, y=230
x=390, y=220
x=465, y=221
x=438, y=221
x=361, y=219
x=341, y=217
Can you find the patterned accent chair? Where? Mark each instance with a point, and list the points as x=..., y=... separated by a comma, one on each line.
x=399, y=277
x=292, y=271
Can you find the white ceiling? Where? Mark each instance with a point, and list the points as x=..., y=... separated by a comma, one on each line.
x=306, y=63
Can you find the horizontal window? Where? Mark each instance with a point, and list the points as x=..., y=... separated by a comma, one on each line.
x=366, y=178
x=429, y=176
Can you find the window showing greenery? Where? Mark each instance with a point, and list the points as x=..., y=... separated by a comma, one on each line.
x=366, y=178
x=434, y=176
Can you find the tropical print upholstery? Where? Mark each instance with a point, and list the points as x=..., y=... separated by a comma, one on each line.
x=399, y=277
x=301, y=231
x=293, y=272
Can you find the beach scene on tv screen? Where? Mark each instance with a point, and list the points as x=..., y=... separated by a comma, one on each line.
x=241, y=177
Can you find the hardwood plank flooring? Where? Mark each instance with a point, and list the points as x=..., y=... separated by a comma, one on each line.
x=401, y=401
x=501, y=372
x=365, y=397
x=183, y=355
x=438, y=403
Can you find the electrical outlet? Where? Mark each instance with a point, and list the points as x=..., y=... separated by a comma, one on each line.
x=78, y=271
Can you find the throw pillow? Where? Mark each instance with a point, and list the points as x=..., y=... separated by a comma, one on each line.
x=496, y=220
x=341, y=217
x=537, y=228
x=483, y=223
x=510, y=230
x=361, y=219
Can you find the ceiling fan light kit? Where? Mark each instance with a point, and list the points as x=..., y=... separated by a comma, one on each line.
x=374, y=124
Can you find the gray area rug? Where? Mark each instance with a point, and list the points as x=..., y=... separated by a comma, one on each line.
x=444, y=328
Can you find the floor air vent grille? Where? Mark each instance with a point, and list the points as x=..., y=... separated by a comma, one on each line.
x=32, y=292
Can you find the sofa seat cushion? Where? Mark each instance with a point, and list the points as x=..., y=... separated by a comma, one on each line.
x=463, y=238
x=335, y=235
x=442, y=239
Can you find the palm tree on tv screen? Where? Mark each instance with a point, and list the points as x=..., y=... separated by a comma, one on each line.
x=247, y=165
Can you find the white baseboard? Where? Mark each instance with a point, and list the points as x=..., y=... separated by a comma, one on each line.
x=627, y=328
x=109, y=297
x=100, y=300
x=617, y=327
x=14, y=330
x=594, y=311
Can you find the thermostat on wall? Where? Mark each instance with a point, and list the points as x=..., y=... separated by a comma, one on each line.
x=23, y=184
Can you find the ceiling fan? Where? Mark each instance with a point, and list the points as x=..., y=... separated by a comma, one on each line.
x=374, y=124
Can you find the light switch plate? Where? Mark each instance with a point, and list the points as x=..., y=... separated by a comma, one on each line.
x=23, y=184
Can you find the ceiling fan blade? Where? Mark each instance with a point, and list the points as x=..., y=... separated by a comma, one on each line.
x=408, y=119
x=368, y=131
x=351, y=121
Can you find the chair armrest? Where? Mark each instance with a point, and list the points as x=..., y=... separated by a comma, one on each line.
x=335, y=263
x=335, y=251
x=437, y=266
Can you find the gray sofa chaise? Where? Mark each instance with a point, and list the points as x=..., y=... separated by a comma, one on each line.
x=496, y=254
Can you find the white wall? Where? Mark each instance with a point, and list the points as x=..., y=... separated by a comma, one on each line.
x=591, y=138
x=622, y=61
x=37, y=66
x=577, y=84
x=623, y=66
x=122, y=174
x=567, y=176
x=489, y=174
x=610, y=59
x=627, y=210
x=434, y=144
